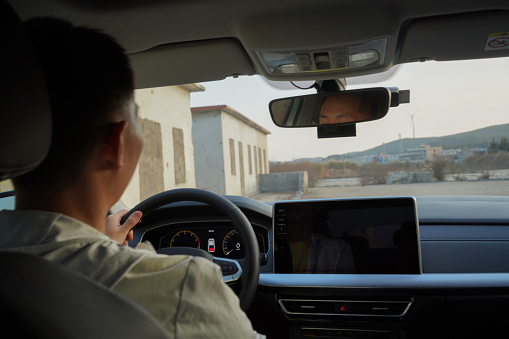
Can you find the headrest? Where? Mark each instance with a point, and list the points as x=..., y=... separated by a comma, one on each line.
x=25, y=113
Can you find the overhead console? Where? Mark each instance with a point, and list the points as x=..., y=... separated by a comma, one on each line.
x=357, y=236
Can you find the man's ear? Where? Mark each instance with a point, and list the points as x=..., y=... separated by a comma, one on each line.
x=114, y=145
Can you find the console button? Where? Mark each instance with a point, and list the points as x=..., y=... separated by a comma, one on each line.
x=342, y=307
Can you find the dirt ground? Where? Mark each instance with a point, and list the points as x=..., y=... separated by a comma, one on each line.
x=478, y=187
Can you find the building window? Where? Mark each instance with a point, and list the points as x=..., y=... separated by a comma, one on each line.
x=260, y=159
x=151, y=163
x=255, y=161
x=232, y=156
x=249, y=159
x=265, y=161
x=179, y=158
x=241, y=169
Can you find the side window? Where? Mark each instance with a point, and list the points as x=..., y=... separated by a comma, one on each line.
x=7, y=200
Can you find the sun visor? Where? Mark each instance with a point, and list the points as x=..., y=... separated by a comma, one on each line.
x=190, y=62
x=457, y=37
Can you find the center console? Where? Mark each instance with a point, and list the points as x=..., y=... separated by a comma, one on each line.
x=322, y=240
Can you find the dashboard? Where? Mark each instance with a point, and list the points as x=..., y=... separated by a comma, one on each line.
x=218, y=238
x=462, y=290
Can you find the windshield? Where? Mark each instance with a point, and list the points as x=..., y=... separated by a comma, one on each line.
x=451, y=139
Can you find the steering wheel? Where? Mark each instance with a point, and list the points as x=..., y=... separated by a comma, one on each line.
x=250, y=264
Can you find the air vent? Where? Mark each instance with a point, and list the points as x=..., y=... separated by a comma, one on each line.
x=343, y=333
x=340, y=308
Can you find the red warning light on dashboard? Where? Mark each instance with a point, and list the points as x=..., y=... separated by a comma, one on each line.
x=211, y=245
x=343, y=307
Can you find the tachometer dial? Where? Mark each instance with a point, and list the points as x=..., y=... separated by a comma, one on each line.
x=185, y=239
x=232, y=245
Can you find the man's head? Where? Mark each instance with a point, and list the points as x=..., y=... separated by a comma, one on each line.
x=90, y=84
x=343, y=108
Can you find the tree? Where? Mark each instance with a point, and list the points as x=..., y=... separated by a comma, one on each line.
x=438, y=168
x=503, y=146
x=493, y=148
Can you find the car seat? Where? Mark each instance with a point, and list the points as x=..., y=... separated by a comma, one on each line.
x=38, y=298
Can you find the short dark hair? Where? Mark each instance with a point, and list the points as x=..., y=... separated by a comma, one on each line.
x=89, y=78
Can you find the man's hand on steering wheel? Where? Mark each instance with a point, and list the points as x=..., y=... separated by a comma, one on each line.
x=250, y=264
x=121, y=233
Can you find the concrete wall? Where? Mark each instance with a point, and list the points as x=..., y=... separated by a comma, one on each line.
x=163, y=163
x=6, y=185
x=407, y=177
x=232, y=163
x=284, y=182
x=236, y=130
x=208, y=152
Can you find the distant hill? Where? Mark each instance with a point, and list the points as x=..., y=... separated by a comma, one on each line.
x=315, y=159
x=477, y=138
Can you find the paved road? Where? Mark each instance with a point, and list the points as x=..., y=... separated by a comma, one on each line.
x=480, y=187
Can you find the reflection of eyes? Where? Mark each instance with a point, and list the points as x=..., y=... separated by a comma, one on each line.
x=342, y=117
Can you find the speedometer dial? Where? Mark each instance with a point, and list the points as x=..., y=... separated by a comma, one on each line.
x=185, y=239
x=232, y=245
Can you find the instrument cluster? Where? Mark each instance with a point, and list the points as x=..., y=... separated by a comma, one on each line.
x=219, y=239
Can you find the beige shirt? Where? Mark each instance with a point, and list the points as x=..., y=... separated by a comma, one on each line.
x=185, y=294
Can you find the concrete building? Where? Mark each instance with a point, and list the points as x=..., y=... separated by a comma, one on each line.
x=230, y=151
x=388, y=158
x=167, y=160
x=6, y=185
x=432, y=152
x=421, y=154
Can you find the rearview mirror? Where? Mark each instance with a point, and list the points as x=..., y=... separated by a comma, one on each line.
x=338, y=108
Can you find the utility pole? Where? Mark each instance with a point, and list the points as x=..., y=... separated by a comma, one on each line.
x=400, y=144
x=413, y=124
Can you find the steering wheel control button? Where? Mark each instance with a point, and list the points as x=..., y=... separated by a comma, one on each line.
x=230, y=269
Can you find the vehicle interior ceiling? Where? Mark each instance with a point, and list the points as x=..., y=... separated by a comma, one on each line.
x=182, y=42
x=204, y=47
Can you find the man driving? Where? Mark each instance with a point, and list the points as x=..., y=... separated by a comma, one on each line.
x=343, y=108
x=61, y=205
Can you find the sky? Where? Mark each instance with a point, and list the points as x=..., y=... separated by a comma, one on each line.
x=445, y=98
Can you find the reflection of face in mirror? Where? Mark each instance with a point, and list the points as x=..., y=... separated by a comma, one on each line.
x=343, y=108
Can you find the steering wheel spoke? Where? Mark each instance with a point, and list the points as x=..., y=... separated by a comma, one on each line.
x=231, y=269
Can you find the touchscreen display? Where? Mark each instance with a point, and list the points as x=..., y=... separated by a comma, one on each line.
x=358, y=236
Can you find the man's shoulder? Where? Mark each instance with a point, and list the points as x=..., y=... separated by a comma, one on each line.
x=191, y=265
x=30, y=227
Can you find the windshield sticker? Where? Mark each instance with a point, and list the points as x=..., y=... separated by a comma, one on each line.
x=497, y=41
